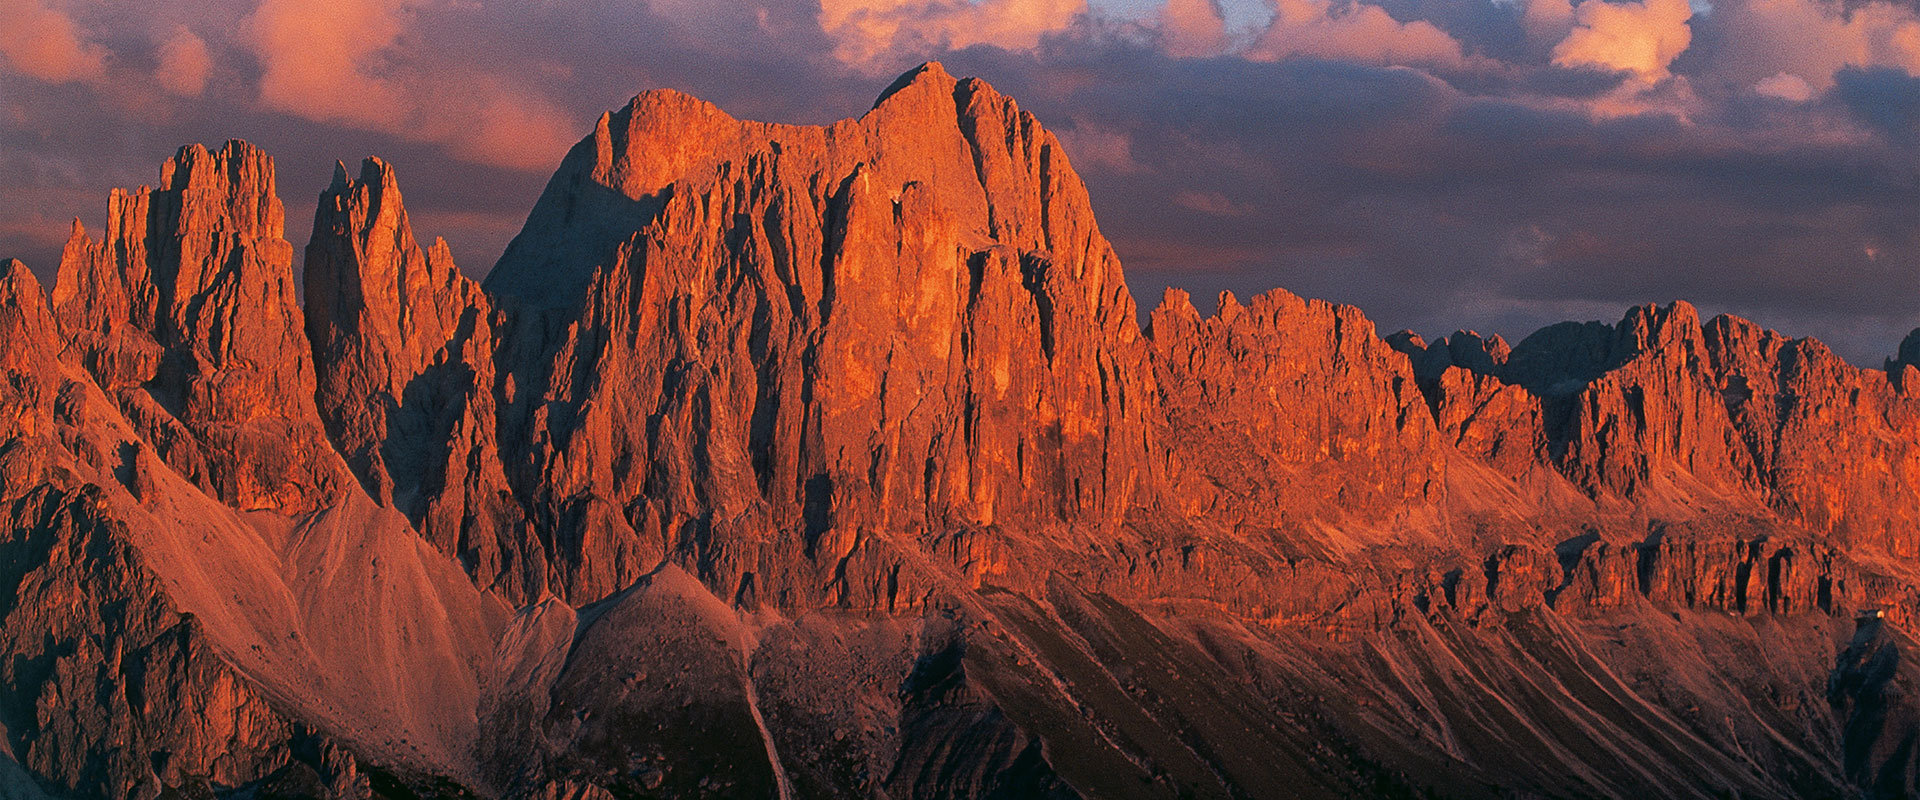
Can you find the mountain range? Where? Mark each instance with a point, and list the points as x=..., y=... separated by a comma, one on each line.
x=793, y=461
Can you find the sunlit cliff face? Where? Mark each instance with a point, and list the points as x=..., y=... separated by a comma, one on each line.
x=778, y=460
x=1496, y=164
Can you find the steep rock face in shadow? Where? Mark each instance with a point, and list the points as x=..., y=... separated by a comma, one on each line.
x=1646, y=416
x=1481, y=415
x=405, y=346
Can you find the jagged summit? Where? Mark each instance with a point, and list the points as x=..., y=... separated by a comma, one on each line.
x=931, y=73
x=185, y=309
x=403, y=348
x=960, y=139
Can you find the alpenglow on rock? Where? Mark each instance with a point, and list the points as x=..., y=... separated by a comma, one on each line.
x=792, y=461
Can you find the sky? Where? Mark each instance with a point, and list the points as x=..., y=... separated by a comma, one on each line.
x=1495, y=165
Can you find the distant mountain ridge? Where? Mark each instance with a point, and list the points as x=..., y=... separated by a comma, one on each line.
x=794, y=461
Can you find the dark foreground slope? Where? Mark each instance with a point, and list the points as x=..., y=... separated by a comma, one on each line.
x=779, y=461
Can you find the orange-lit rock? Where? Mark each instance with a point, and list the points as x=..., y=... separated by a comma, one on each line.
x=184, y=311
x=841, y=341
x=835, y=461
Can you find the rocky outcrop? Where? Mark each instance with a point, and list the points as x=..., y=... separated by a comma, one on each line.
x=1669, y=413
x=110, y=688
x=1833, y=444
x=205, y=600
x=115, y=693
x=1467, y=350
x=841, y=340
x=185, y=313
x=405, y=347
x=1651, y=421
x=1288, y=411
x=1909, y=354
x=1476, y=411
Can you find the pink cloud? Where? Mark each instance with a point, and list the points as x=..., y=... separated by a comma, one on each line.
x=1810, y=40
x=44, y=43
x=486, y=120
x=1192, y=28
x=343, y=61
x=1353, y=31
x=865, y=30
x=318, y=58
x=1546, y=21
x=1642, y=38
x=1786, y=86
x=184, y=64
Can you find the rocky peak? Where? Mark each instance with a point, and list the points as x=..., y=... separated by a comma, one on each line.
x=1560, y=359
x=906, y=323
x=404, y=347
x=609, y=186
x=1650, y=328
x=1647, y=413
x=1482, y=354
x=231, y=189
x=1828, y=440
x=1280, y=404
x=26, y=322
x=185, y=311
x=1909, y=354
x=987, y=166
x=193, y=263
x=929, y=74
x=1465, y=349
x=22, y=301
x=1406, y=341
x=370, y=282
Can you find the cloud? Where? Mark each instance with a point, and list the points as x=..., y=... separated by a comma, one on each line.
x=1546, y=21
x=342, y=61
x=1785, y=86
x=1090, y=145
x=865, y=30
x=1885, y=98
x=1642, y=38
x=1211, y=203
x=43, y=43
x=1193, y=28
x=1353, y=31
x=184, y=64
x=1813, y=40
x=317, y=58
x=506, y=126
